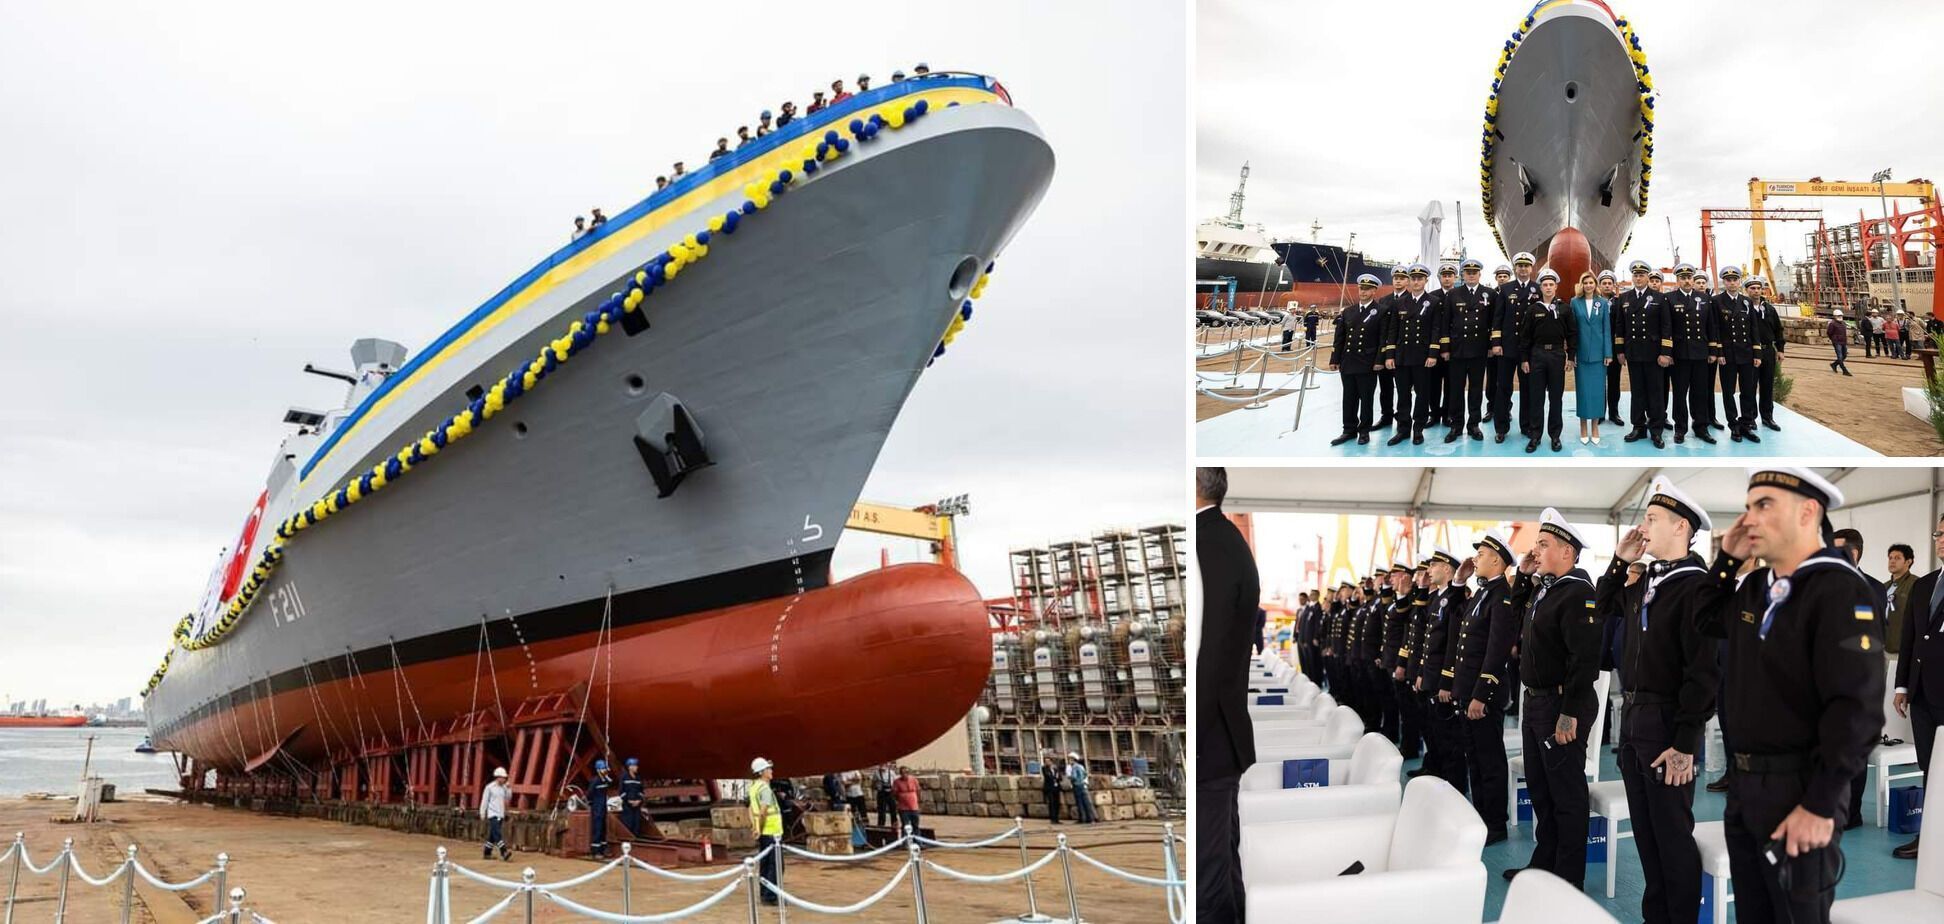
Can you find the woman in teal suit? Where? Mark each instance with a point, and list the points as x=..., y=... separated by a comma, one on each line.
x=1592, y=354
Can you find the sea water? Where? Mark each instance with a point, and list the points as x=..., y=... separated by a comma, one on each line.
x=49, y=760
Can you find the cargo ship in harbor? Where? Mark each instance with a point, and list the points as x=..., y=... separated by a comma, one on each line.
x=1567, y=150
x=628, y=554
x=42, y=721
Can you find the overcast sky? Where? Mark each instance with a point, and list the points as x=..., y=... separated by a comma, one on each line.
x=197, y=200
x=1357, y=121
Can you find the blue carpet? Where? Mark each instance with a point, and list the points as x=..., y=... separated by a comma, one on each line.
x=1266, y=432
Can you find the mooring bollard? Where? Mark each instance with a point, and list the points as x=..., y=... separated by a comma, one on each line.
x=755, y=886
x=917, y=862
x=128, y=885
x=627, y=893
x=222, y=879
x=13, y=881
x=1066, y=870
x=67, y=861
x=1032, y=915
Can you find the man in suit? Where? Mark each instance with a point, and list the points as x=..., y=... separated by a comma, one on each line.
x=1920, y=668
x=1224, y=735
x=1851, y=542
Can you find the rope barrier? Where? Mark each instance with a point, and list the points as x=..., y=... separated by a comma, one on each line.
x=692, y=877
x=65, y=863
x=966, y=845
x=600, y=915
x=847, y=857
x=1130, y=877
x=1051, y=855
x=903, y=871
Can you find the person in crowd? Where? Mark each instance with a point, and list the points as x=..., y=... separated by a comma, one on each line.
x=1641, y=336
x=1486, y=635
x=817, y=104
x=863, y=83
x=922, y=70
x=1358, y=354
x=1503, y=369
x=1413, y=330
x=1310, y=320
x=897, y=76
x=1050, y=774
x=1851, y=542
x=837, y=94
x=1470, y=314
x=1741, y=349
x=743, y=137
x=766, y=820
x=492, y=807
x=1592, y=313
x=1609, y=288
x=598, y=219
x=580, y=228
x=1899, y=559
x=1670, y=675
x=721, y=149
x=1772, y=344
x=854, y=796
x=678, y=170
x=884, y=776
x=1225, y=735
x=1919, y=692
x=1546, y=335
x=905, y=790
x=661, y=183
x=1838, y=334
x=764, y=124
x=1083, y=807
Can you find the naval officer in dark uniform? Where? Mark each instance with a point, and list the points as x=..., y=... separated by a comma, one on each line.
x=1670, y=675
x=1640, y=332
x=1546, y=340
x=1559, y=659
x=1515, y=297
x=1502, y=363
x=1397, y=654
x=1441, y=297
x=1472, y=319
x=1358, y=354
x=1377, y=684
x=1771, y=347
x=1386, y=376
x=1485, y=639
x=1412, y=331
x=1805, y=705
x=1697, y=343
x=1446, y=759
x=1741, y=335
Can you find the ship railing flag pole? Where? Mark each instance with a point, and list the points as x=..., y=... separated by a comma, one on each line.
x=623, y=307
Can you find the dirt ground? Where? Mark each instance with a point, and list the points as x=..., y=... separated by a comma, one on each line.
x=1866, y=406
x=299, y=870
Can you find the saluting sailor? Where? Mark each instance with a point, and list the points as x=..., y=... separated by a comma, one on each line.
x=1670, y=674
x=1559, y=657
x=1805, y=707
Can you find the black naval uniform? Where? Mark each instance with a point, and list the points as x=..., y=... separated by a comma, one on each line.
x=1546, y=337
x=1697, y=341
x=1741, y=333
x=1613, y=377
x=1640, y=329
x=1447, y=758
x=1512, y=300
x=1669, y=673
x=1306, y=655
x=1358, y=354
x=1387, y=378
x=1485, y=639
x=1377, y=680
x=1441, y=375
x=1770, y=347
x=1353, y=660
x=1414, y=647
x=1559, y=657
x=1397, y=653
x=1411, y=334
x=632, y=799
x=1803, y=712
x=1472, y=324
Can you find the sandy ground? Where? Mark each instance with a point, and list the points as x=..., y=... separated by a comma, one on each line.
x=300, y=870
x=1866, y=406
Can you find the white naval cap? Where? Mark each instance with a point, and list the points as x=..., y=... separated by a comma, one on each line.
x=1607, y=274
x=1730, y=272
x=1400, y=566
x=1471, y=263
x=1447, y=269
x=1663, y=493
x=1638, y=266
x=1551, y=522
x=1523, y=257
x=1440, y=553
x=1505, y=268
x=1798, y=481
x=1758, y=280
x=1497, y=544
x=1367, y=280
x=1548, y=274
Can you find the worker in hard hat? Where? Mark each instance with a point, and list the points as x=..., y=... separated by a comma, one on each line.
x=632, y=796
x=1083, y=807
x=598, y=787
x=492, y=807
x=766, y=819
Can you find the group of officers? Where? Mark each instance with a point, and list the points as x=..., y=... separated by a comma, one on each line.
x=1798, y=684
x=1450, y=356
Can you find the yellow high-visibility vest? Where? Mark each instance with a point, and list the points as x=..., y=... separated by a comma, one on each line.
x=760, y=797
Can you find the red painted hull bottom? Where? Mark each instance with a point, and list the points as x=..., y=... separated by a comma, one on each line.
x=43, y=721
x=1569, y=255
x=865, y=670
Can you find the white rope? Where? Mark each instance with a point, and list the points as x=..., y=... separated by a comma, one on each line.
x=844, y=857
x=1001, y=877
x=698, y=877
x=1005, y=835
x=877, y=896
x=177, y=887
x=562, y=884
x=678, y=914
x=1130, y=877
x=78, y=871
x=28, y=862
x=494, y=911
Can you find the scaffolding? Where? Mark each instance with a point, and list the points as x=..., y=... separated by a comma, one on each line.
x=1088, y=656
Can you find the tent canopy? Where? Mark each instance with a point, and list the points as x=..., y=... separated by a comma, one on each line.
x=1583, y=494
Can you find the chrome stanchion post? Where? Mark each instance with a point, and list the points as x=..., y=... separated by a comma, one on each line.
x=1262, y=374
x=526, y=876
x=1066, y=870
x=128, y=885
x=1302, y=394
x=627, y=894
x=1171, y=863
x=67, y=861
x=755, y=886
x=222, y=878
x=917, y=862
x=440, y=913
x=1032, y=904
x=236, y=897
x=13, y=881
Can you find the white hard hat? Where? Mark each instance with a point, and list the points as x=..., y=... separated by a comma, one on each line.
x=499, y=772
x=1839, y=312
x=760, y=764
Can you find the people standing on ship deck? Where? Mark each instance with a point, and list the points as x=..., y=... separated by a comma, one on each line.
x=580, y=227
x=721, y=149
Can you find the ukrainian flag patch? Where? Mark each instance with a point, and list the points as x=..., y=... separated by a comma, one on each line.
x=1865, y=613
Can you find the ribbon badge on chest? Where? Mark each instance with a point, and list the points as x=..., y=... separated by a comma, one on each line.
x=1646, y=600
x=1778, y=594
